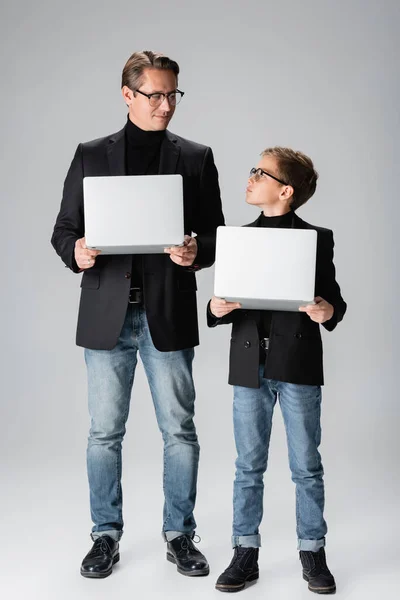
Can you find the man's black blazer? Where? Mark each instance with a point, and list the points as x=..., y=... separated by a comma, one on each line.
x=169, y=290
x=295, y=346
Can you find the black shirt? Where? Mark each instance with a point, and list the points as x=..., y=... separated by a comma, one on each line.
x=142, y=157
x=283, y=221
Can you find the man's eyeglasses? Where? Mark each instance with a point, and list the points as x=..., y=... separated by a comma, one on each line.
x=158, y=98
x=258, y=173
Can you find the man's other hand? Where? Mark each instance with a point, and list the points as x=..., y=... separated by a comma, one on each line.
x=183, y=255
x=85, y=258
x=319, y=312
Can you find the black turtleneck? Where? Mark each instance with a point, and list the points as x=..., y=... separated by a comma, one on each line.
x=283, y=221
x=142, y=157
x=142, y=150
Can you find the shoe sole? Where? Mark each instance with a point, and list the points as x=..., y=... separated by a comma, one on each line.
x=237, y=588
x=90, y=575
x=198, y=573
x=316, y=590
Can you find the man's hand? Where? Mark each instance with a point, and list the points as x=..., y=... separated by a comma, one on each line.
x=220, y=307
x=319, y=312
x=183, y=255
x=85, y=258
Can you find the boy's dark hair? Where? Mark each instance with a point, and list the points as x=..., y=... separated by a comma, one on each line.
x=297, y=170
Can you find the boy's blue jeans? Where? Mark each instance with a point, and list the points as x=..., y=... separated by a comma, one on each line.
x=252, y=417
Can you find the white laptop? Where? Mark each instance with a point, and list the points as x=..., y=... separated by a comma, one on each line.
x=266, y=268
x=133, y=214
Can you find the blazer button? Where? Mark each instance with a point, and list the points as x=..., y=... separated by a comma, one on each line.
x=298, y=335
x=247, y=344
x=127, y=275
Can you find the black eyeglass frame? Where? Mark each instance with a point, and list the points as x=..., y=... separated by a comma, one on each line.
x=149, y=96
x=255, y=171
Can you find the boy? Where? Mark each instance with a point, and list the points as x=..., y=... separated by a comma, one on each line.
x=278, y=355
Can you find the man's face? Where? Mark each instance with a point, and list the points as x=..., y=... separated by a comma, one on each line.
x=141, y=113
x=264, y=190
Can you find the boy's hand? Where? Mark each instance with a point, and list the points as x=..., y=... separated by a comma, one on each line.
x=220, y=307
x=319, y=312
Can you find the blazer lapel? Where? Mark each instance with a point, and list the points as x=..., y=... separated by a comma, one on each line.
x=116, y=153
x=169, y=155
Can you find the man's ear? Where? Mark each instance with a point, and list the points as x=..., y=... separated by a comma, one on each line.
x=127, y=95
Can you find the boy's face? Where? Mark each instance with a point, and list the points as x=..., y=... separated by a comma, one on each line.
x=264, y=191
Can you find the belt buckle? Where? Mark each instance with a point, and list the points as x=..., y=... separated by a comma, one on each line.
x=264, y=343
x=135, y=295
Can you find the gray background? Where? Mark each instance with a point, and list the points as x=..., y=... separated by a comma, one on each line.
x=319, y=76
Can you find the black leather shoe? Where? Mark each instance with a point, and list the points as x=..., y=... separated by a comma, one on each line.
x=189, y=561
x=243, y=569
x=315, y=571
x=98, y=563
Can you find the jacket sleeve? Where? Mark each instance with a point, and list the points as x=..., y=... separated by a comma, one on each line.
x=326, y=284
x=208, y=215
x=69, y=225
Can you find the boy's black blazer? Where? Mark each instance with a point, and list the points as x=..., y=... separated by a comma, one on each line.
x=295, y=346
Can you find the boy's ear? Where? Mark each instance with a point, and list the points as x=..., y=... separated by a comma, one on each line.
x=287, y=193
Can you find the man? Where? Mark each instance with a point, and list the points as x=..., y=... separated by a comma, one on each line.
x=278, y=355
x=144, y=304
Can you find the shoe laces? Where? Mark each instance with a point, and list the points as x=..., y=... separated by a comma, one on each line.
x=187, y=542
x=100, y=546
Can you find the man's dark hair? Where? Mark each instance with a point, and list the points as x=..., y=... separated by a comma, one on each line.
x=132, y=73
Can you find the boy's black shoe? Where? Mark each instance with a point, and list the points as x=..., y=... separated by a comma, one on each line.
x=315, y=571
x=242, y=570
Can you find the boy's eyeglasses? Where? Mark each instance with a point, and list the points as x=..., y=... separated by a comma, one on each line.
x=258, y=173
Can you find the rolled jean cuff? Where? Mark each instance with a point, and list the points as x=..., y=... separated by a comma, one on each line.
x=246, y=541
x=172, y=535
x=115, y=534
x=310, y=545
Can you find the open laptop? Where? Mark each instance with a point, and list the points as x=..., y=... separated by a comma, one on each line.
x=133, y=214
x=266, y=268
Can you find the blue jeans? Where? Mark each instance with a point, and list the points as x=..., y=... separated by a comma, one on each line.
x=110, y=379
x=252, y=418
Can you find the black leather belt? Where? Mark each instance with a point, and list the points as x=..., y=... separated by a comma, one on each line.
x=264, y=343
x=135, y=295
